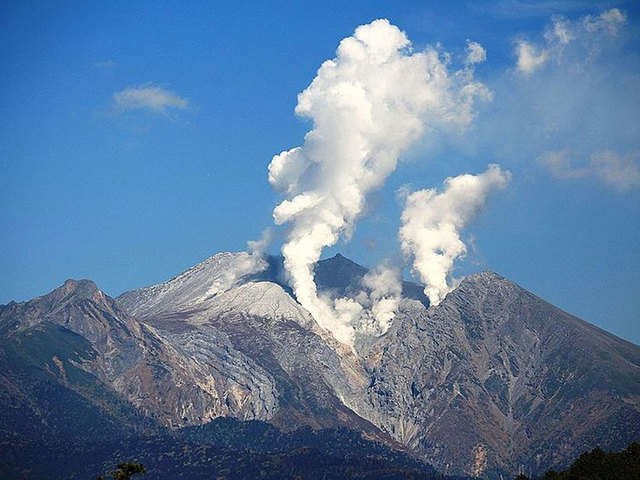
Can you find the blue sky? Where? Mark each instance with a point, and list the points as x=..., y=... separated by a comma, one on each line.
x=129, y=192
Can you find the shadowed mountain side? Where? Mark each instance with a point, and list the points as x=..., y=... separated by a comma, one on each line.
x=46, y=394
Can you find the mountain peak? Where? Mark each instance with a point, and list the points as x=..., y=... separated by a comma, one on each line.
x=485, y=276
x=338, y=272
x=193, y=286
x=82, y=285
x=73, y=290
x=484, y=284
x=78, y=305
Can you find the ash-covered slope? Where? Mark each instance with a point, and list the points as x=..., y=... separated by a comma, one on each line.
x=222, y=272
x=316, y=380
x=200, y=282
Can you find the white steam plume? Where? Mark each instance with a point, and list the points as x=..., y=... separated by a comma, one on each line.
x=385, y=289
x=431, y=224
x=371, y=310
x=243, y=264
x=257, y=248
x=368, y=105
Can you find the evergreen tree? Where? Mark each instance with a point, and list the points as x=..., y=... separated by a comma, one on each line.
x=125, y=471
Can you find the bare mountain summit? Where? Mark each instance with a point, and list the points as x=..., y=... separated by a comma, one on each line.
x=490, y=382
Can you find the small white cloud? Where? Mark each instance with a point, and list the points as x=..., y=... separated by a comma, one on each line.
x=148, y=97
x=529, y=59
x=622, y=172
x=475, y=52
x=609, y=21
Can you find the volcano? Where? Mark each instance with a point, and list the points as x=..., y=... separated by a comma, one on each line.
x=490, y=382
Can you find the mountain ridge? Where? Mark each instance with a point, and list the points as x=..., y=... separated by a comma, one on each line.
x=491, y=381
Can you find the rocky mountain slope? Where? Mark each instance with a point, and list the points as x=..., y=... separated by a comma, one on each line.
x=154, y=373
x=492, y=381
x=499, y=380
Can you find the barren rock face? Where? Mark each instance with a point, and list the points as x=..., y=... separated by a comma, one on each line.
x=183, y=377
x=495, y=378
x=492, y=381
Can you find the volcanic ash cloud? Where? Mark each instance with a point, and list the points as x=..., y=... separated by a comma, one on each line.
x=432, y=221
x=367, y=105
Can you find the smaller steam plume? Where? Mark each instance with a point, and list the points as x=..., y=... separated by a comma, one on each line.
x=432, y=221
x=384, y=284
x=243, y=264
x=257, y=248
x=374, y=306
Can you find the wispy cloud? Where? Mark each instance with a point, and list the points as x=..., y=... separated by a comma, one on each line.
x=588, y=29
x=560, y=165
x=148, y=97
x=534, y=8
x=105, y=64
x=621, y=172
x=529, y=58
x=570, y=101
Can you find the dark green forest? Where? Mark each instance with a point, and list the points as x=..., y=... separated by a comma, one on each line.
x=594, y=465
x=305, y=463
x=223, y=449
x=600, y=465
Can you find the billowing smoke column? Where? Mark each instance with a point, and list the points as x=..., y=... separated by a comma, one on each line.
x=369, y=104
x=431, y=224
